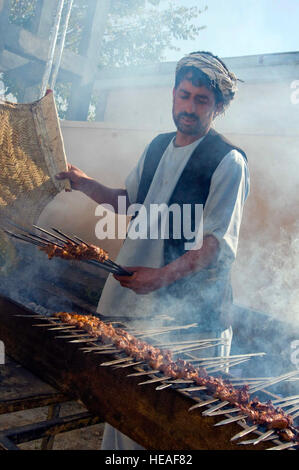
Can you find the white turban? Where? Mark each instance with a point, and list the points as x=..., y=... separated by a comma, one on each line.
x=214, y=69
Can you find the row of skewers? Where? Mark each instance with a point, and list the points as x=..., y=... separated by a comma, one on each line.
x=59, y=244
x=220, y=394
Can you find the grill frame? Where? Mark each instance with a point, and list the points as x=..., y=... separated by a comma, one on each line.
x=156, y=420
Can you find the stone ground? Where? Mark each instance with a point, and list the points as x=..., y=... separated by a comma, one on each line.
x=88, y=438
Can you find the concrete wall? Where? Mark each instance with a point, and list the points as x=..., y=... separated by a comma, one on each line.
x=263, y=119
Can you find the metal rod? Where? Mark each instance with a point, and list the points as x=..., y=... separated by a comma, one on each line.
x=243, y=433
x=19, y=227
x=152, y=381
x=140, y=374
x=234, y=410
x=162, y=330
x=209, y=364
x=56, y=230
x=97, y=348
x=225, y=365
x=117, y=361
x=108, y=351
x=104, y=266
x=236, y=356
x=161, y=387
x=49, y=233
x=71, y=336
x=266, y=384
x=101, y=265
x=87, y=244
x=194, y=342
x=73, y=240
x=223, y=412
x=215, y=408
x=32, y=316
x=192, y=389
x=231, y=420
x=117, y=270
x=195, y=347
x=87, y=340
x=57, y=328
x=287, y=445
x=285, y=399
x=203, y=403
x=28, y=240
x=263, y=436
x=129, y=365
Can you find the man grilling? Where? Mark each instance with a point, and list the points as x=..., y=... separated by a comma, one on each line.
x=196, y=166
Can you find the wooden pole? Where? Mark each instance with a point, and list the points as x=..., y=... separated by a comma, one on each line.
x=51, y=52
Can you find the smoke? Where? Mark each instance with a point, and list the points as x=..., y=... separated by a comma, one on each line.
x=271, y=276
x=31, y=280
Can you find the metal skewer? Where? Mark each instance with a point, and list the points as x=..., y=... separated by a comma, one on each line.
x=25, y=238
x=231, y=420
x=267, y=384
x=118, y=269
x=246, y=431
x=287, y=445
x=124, y=366
x=29, y=232
x=116, y=361
x=87, y=244
x=157, y=379
x=49, y=233
x=44, y=243
x=140, y=374
x=203, y=403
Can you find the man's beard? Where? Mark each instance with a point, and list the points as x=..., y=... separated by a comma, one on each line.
x=193, y=127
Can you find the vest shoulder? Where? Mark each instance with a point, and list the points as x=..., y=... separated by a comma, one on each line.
x=225, y=143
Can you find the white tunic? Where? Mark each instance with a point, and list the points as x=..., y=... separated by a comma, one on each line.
x=221, y=218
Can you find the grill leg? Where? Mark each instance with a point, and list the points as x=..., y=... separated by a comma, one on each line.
x=53, y=412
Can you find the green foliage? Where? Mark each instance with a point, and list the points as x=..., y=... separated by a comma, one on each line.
x=76, y=24
x=62, y=95
x=145, y=34
x=22, y=12
x=137, y=32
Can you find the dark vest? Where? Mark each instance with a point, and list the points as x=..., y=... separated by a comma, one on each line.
x=192, y=188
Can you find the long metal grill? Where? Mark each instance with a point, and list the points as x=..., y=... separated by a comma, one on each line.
x=202, y=400
x=190, y=351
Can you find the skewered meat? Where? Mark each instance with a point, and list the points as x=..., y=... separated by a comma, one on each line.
x=75, y=251
x=259, y=413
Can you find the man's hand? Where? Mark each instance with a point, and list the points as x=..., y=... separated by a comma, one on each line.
x=76, y=176
x=143, y=281
x=146, y=280
x=92, y=188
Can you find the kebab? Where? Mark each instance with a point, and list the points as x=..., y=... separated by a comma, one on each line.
x=66, y=247
x=265, y=414
x=72, y=251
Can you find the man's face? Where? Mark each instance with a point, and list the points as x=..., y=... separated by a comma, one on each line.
x=194, y=108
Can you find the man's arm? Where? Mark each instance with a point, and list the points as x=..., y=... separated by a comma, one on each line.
x=222, y=219
x=146, y=280
x=92, y=188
